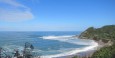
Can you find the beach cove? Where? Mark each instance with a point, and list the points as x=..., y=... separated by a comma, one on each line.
x=47, y=44
x=93, y=45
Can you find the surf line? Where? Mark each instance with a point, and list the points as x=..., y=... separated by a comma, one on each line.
x=91, y=46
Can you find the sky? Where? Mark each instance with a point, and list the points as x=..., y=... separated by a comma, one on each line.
x=55, y=15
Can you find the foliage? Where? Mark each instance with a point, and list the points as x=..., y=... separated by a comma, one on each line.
x=105, y=52
x=106, y=32
x=75, y=57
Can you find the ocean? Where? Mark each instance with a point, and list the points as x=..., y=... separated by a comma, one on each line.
x=45, y=42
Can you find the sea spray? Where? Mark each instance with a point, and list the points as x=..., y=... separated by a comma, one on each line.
x=70, y=39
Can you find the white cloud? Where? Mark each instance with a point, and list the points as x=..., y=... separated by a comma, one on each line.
x=17, y=12
x=15, y=15
x=13, y=3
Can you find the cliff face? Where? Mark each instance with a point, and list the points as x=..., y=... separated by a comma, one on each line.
x=105, y=33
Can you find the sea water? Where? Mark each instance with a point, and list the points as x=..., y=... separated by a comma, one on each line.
x=44, y=42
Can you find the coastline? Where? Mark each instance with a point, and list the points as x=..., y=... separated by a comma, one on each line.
x=90, y=52
x=87, y=51
x=93, y=47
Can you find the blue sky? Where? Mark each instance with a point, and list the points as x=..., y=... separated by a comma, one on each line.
x=55, y=15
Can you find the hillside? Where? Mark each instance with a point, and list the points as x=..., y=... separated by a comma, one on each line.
x=105, y=52
x=105, y=32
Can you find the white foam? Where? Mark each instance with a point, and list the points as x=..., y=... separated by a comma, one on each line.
x=69, y=39
x=92, y=44
x=59, y=38
x=56, y=37
x=72, y=52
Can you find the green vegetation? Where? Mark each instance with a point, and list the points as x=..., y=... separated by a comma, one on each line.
x=75, y=57
x=105, y=52
x=105, y=33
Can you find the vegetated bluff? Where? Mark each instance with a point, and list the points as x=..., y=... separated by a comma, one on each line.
x=105, y=32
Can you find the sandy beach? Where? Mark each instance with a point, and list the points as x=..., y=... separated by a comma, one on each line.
x=89, y=52
x=78, y=51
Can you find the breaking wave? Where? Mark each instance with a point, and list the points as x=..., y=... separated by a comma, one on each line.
x=74, y=40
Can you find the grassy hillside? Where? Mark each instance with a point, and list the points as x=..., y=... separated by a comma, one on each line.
x=105, y=32
x=105, y=52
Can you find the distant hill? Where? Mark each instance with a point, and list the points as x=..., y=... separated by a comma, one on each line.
x=105, y=32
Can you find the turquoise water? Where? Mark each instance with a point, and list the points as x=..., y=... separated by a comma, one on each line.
x=15, y=40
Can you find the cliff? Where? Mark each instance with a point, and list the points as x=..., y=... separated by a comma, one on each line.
x=105, y=33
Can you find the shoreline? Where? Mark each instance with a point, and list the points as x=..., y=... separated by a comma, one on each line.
x=87, y=50
x=93, y=47
x=90, y=52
